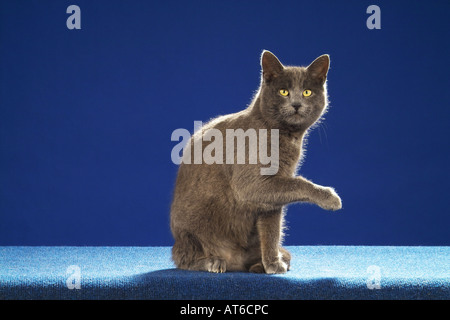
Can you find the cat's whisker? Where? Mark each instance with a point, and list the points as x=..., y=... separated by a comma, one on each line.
x=323, y=128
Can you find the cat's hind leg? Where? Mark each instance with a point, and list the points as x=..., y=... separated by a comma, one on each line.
x=215, y=264
x=257, y=268
x=188, y=253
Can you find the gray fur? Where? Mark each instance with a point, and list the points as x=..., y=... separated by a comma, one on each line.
x=229, y=217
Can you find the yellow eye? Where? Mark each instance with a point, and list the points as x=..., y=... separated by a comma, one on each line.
x=307, y=93
x=284, y=92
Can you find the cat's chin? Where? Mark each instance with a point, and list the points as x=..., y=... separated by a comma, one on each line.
x=295, y=122
x=296, y=119
x=297, y=116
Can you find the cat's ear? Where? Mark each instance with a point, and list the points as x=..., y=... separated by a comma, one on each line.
x=318, y=69
x=271, y=66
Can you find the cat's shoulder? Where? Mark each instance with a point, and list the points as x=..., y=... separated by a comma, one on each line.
x=229, y=121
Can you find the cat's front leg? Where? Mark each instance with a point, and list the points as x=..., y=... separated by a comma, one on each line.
x=269, y=230
x=327, y=198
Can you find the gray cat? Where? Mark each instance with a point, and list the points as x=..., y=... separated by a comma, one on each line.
x=229, y=217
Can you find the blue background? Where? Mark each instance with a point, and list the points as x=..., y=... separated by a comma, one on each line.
x=86, y=115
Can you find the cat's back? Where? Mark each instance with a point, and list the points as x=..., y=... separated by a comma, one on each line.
x=196, y=174
x=200, y=185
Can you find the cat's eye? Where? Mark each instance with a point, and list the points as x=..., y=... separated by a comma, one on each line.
x=307, y=93
x=284, y=92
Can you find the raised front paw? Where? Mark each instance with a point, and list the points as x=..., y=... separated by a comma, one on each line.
x=277, y=266
x=329, y=199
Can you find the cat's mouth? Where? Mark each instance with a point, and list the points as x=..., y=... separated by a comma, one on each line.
x=297, y=117
x=299, y=114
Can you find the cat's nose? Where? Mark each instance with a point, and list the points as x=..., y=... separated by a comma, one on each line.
x=296, y=106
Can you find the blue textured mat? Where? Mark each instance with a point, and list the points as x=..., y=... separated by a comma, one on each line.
x=317, y=272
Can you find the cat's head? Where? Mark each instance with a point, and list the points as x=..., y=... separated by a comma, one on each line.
x=294, y=98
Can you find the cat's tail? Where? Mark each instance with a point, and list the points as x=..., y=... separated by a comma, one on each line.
x=187, y=252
